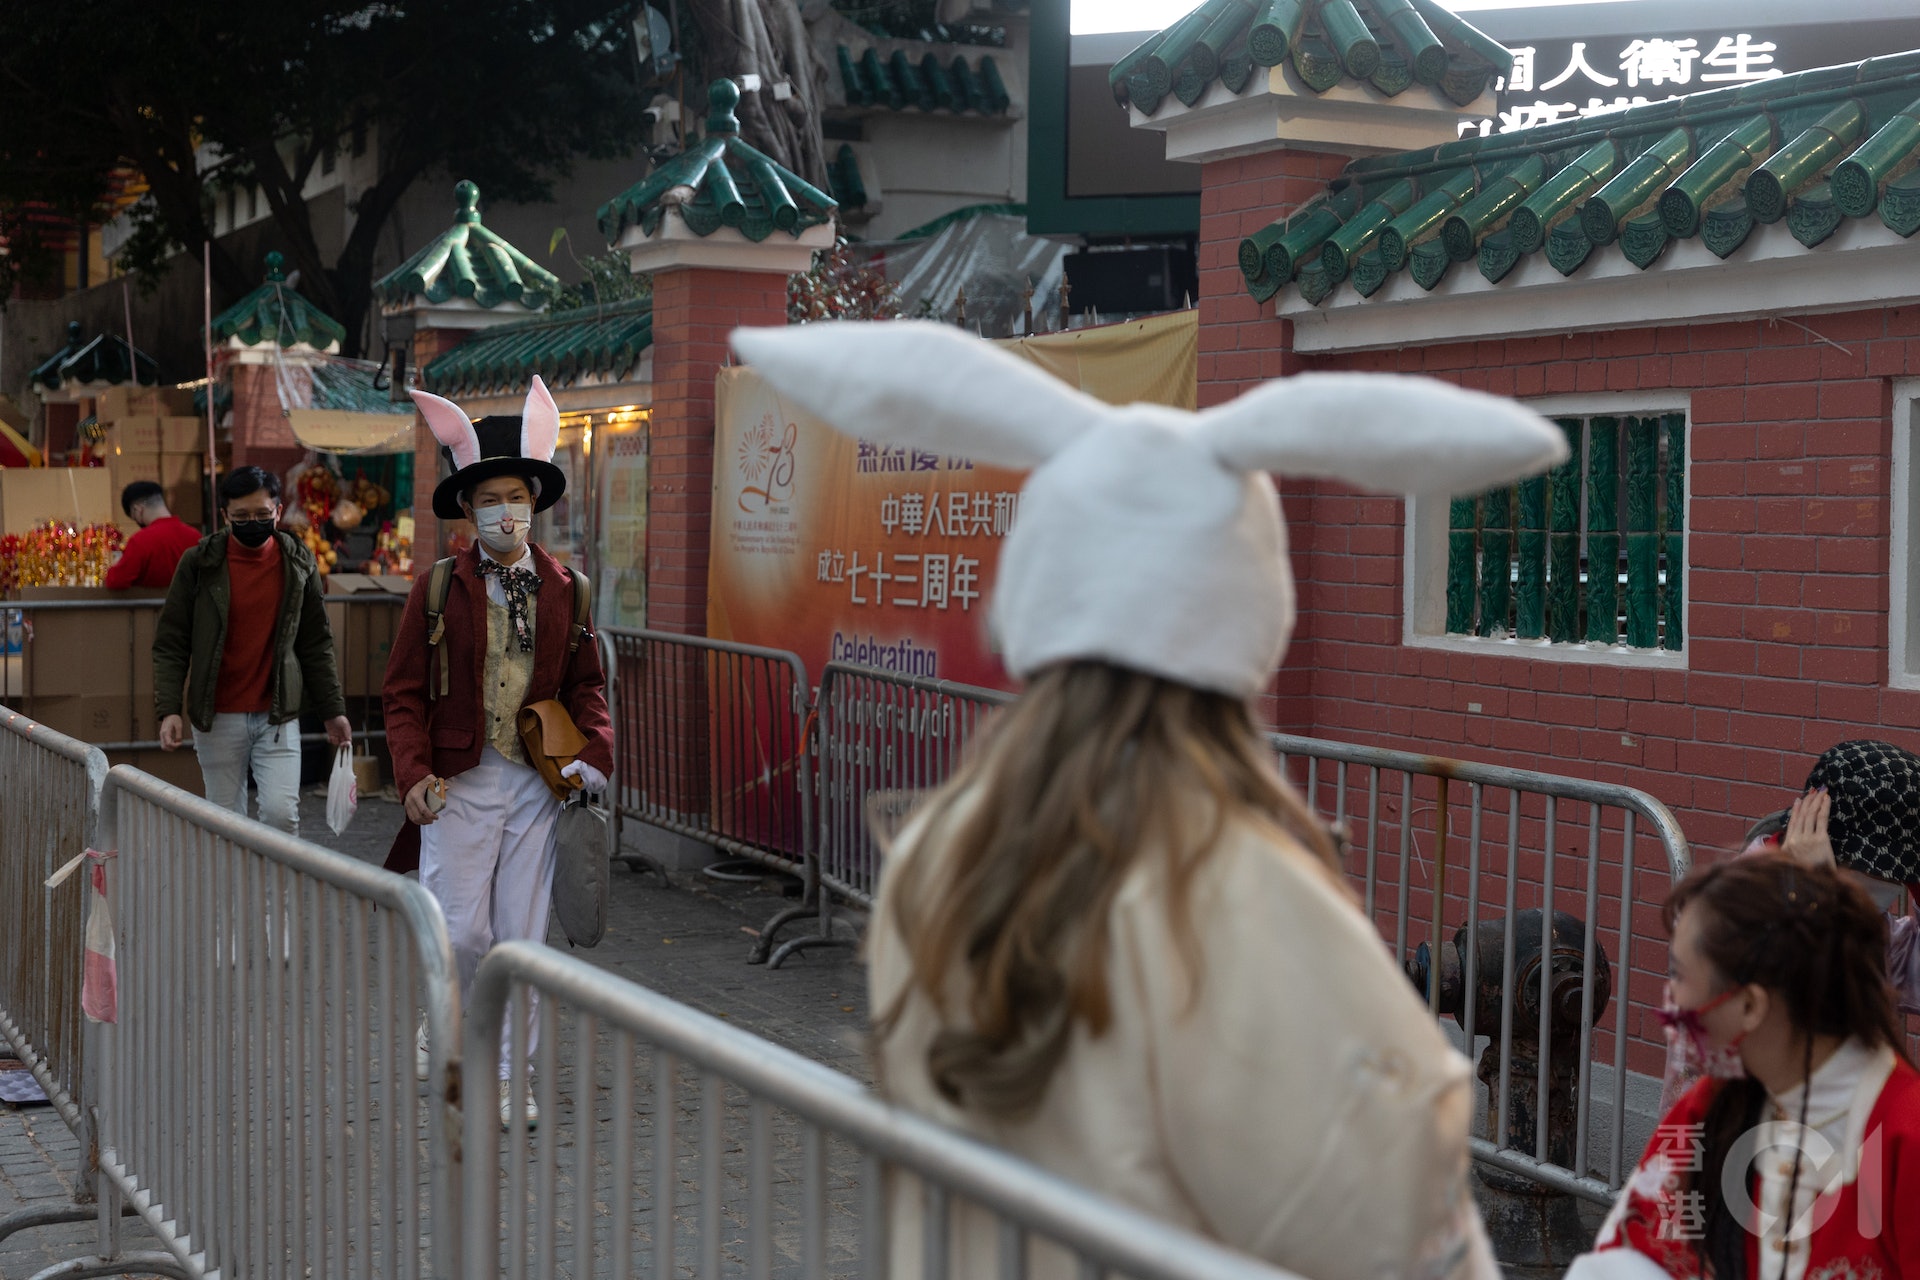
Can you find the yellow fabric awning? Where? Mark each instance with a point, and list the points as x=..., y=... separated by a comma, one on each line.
x=1153, y=361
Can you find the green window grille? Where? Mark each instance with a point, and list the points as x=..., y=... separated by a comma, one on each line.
x=1593, y=551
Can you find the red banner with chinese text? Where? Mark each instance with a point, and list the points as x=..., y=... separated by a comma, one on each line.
x=842, y=549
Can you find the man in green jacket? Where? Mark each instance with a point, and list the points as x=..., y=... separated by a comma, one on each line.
x=244, y=635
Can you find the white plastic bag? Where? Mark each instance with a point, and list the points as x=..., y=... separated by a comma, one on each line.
x=343, y=791
x=100, y=982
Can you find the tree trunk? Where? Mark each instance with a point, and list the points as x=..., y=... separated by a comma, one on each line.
x=768, y=38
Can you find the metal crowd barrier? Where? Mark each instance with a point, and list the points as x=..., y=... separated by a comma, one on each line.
x=883, y=733
x=703, y=1150
x=85, y=667
x=256, y=1099
x=710, y=742
x=1416, y=823
x=51, y=782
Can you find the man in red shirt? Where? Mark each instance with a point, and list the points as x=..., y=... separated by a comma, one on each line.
x=241, y=646
x=152, y=554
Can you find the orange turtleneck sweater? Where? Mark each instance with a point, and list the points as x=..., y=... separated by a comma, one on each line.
x=256, y=580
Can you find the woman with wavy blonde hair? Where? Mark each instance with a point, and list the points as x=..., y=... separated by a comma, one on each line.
x=1118, y=943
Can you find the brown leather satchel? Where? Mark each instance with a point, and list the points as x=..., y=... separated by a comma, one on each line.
x=552, y=742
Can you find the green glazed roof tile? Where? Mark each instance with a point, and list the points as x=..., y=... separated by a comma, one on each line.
x=1796, y=163
x=1721, y=169
x=1568, y=247
x=1353, y=237
x=844, y=176
x=1423, y=218
x=858, y=91
x=1498, y=256
x=720, y=181
x=913, y=87
x=1431, y=262
x=1900, y=205
x=1489, y=210
x=1810, y=149
x=885, y=88
x=563, y=348
x=1726, y=227
x=1638, y=184
x=1369, y=273
x=1390, y=44
x=275, y=312
x=899, y=83
x=468, y=261
x=1644, y=239
x=1815, y=216
x=1857, y=180
x=101, y=361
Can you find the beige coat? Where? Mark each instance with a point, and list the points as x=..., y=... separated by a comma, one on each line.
x=1305, y=1109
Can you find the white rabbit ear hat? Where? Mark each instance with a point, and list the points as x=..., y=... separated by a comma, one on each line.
x=1148, y=537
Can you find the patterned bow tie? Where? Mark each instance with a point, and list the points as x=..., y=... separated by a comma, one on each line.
x=519, y=584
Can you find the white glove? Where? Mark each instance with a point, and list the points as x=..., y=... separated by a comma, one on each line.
x=591, y=779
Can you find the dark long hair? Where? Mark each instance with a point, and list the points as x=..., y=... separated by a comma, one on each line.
x=1817, y=943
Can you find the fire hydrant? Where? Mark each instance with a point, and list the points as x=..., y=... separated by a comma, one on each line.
x=1530, y=1224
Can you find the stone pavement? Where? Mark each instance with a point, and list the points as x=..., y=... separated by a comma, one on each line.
x=689, y=941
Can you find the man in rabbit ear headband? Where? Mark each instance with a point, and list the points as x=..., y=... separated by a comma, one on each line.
x=1191, y=1016
x=500, y=637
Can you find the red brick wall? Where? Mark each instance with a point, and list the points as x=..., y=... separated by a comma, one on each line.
x=428, y=546
x=1787, y=581
x=1240, y=342
x=694, y=309
x=1790, y=458
x=1790, y=461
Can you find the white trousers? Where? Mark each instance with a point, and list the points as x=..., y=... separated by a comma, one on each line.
x=488, y=861
x=242, y=743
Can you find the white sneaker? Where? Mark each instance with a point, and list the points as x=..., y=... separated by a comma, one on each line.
x=422, y=1060
x=532, y=1111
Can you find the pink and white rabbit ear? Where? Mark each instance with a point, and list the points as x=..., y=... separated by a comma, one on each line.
x=450, y=426
x=539, y=423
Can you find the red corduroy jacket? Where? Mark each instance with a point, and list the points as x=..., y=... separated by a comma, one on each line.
x=443, y=737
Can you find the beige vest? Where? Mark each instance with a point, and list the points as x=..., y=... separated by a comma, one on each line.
x=508, y=674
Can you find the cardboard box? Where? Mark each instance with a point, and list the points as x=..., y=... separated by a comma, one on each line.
x=91, y=718
x=116, y=403
x=348, y=584
x=362, y=632
x=177, y=474
x=151, y=433
x=171, y=471
x=31, y=496
x=181, y=768
x=187, y=500
x=100, y=652
x=399, y=584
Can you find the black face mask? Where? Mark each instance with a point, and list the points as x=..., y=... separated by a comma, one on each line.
x=251, y=533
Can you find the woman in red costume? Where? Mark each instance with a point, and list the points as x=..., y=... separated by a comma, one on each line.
x=1798, y=1156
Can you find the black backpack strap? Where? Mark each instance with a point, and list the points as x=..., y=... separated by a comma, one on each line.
x=582, y=611
x=439, y=583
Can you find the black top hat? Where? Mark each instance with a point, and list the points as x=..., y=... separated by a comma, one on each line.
x=500, y=444
x=1875, y=821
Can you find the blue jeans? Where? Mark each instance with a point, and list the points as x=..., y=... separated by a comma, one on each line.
x=242, y=743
